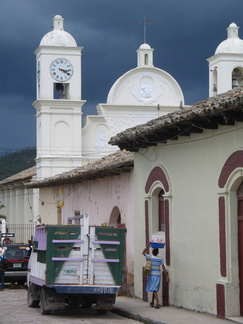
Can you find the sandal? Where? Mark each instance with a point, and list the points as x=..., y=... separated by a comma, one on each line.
x=152, y=304
x=157, y=306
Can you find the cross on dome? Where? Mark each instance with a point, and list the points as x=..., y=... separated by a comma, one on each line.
x=145, y=23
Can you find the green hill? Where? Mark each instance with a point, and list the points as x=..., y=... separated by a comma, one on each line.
x=13, y=163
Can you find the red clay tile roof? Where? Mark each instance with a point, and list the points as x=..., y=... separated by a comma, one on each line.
x=110, y=165
x=225, y=109
x=22, y=176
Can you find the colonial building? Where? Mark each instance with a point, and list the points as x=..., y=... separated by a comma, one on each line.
x=188, y=168
x=19, y=205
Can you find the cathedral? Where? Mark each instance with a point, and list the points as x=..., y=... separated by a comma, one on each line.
x=141, y=94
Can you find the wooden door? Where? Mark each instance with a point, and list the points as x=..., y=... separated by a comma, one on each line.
x=161, y=211
x=165, y=285
x=240, y=249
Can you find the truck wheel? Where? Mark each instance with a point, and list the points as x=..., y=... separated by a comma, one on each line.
x=43, y=309
x=87, y=305
x=32, y=300
x=101, y=311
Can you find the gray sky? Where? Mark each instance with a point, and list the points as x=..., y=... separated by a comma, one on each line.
x=183, y=33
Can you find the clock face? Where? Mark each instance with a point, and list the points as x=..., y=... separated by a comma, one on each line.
x=61, y=69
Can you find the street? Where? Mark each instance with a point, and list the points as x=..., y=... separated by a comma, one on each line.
x=14, y=309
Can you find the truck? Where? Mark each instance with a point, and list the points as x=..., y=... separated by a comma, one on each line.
x=75, y=265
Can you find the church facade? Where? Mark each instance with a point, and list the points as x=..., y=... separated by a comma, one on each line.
x=141, y=94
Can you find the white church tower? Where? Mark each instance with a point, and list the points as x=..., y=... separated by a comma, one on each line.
x=226, y=66
x=58, y=104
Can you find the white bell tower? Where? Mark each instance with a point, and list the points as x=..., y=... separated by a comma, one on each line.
x=226, y=66
x=145, y=56
x=58, y=104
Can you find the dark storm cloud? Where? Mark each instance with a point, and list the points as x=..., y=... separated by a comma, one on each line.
x=183, y=33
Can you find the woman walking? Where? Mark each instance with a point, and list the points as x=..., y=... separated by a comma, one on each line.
x=153, y=282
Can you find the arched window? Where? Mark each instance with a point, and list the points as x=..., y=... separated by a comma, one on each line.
x=146, y=59
x=215, y=82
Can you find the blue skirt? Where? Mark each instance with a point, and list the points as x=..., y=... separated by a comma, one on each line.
x=153, y=283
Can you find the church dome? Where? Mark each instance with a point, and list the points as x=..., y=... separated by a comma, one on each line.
x=145, y=85
x=145, y=46
x=233, y=44
x=58, y=37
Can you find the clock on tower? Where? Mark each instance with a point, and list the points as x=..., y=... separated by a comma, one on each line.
x=61, y=70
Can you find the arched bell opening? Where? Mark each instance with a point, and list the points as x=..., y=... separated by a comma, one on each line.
x=237, y=77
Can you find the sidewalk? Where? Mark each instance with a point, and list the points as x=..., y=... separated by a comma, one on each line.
x=139, y=310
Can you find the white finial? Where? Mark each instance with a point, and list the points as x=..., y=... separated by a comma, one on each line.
x=58, y=22
x=233, y=30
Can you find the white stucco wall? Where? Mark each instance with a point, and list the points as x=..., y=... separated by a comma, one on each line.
x=193, y=167
x=18, y=210
x=112, y=120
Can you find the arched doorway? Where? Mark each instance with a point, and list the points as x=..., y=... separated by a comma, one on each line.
x=229, y=287
x=115, y=217
x=157, y=219
x=116, y=222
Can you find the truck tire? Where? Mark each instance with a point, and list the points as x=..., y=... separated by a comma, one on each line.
x=43, y=310
x=101, y=311
x=32, y=296
x=87, y=305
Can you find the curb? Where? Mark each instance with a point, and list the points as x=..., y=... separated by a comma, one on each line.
x=135, y=317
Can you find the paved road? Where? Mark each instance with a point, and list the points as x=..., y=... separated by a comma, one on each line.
x=14, y=310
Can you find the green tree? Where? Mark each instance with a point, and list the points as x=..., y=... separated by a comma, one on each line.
x=12, y=163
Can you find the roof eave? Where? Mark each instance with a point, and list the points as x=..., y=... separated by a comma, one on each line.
x=226, y=109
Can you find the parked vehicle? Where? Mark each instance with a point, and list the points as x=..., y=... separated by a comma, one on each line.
x=76, y=265
x=17, y=256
